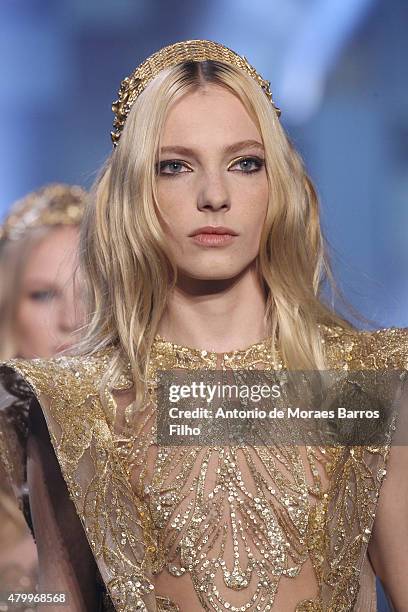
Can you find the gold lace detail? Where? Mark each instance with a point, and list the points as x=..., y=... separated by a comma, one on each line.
x=236, y=521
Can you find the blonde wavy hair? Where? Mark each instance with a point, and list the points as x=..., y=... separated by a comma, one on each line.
x=128, y=269
x=28, y=222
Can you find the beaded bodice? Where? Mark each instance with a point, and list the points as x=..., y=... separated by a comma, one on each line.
x=222, y=528
x=233, y=519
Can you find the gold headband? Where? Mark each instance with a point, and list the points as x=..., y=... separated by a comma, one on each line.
x=187, y=51
x=55, y=204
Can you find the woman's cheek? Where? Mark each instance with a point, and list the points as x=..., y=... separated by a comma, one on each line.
x=35, y=316
x=28, y=331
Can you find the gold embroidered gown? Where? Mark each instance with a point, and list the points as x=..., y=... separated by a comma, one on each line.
x=222, y=528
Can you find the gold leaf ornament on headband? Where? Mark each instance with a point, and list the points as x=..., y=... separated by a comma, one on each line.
x=55, y=204
x=187, y=51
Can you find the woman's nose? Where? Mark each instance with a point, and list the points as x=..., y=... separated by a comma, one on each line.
x=213, y=194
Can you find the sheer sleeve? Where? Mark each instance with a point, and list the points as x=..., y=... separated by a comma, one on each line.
x=65, y=561
x=388, y=548
x=55, y=431
x=15, y=396
x=66, y=564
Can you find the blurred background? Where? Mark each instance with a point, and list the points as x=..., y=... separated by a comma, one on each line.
x=337, y=70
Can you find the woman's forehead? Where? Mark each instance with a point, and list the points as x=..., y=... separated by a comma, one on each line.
x=211, y=115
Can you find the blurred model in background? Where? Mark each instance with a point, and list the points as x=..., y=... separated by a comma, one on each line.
x=40, y=311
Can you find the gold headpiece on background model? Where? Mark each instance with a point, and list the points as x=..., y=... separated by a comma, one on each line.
x=55, y=204
x=187, y=51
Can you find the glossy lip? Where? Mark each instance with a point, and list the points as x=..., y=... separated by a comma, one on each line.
x=213, y=240
x=213, y=229
x=213, y=236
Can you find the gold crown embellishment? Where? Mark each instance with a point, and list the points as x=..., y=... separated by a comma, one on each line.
x=187, y=51
x=55, y=204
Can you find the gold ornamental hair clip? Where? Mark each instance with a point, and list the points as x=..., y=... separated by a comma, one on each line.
x=187, y=51
x=55, y=204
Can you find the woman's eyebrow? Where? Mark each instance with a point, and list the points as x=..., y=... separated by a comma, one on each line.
x=244, y=144
x=43, y=283
x=232, y=148
x=178, y=149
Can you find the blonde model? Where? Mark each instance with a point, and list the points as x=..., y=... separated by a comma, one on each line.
x=202, y=250
x=39, y=315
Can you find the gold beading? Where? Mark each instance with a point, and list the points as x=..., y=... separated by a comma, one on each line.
x=225, y=523
x=187, y=51
x=55, y=204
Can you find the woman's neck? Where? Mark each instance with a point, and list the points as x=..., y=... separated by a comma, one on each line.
x=216, y=315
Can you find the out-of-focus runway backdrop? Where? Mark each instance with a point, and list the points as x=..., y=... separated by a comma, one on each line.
x=337, y=70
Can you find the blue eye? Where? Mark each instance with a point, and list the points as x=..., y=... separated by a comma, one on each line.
x=248, y=165
x=173, y=167
x=42, y=296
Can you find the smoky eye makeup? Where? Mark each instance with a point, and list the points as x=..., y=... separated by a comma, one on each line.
x=41, y=295
x=172, y=167
x=246, y=164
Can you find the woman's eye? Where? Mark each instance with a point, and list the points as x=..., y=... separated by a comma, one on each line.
x=42, y=296
x=247, y=165
x=173, y=167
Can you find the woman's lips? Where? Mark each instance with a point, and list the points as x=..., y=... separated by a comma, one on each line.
x=213, y=235
x=213, y=240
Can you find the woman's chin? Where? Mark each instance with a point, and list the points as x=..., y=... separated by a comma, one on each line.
x=199, y=279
